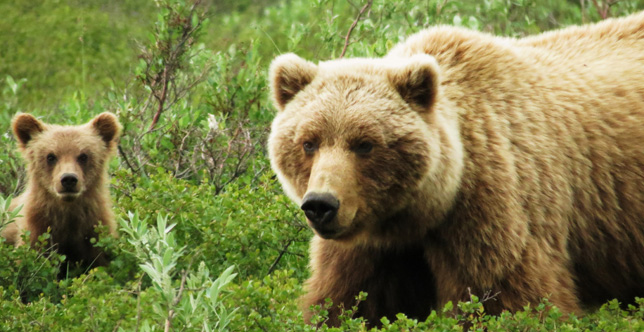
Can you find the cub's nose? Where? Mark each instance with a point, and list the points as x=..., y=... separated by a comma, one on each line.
x=69, y=181
x=320, y=208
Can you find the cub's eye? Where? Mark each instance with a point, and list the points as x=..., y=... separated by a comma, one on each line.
x=309, y=147
x=82, y=158
x=51, y=159
x=363, y=148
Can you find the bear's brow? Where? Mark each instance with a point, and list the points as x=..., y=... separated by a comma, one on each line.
x=69, y=140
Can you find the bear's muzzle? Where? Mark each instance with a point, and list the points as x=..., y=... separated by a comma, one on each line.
x=321, y=210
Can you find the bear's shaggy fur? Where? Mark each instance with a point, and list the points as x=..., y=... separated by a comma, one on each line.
x=463, y=163
x=67, y=184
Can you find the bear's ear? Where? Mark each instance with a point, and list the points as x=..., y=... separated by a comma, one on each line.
x=289, y=74
x=107, y=126
x=416, y=79
x=25, y=127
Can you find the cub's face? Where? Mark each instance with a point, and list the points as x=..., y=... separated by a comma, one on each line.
x=350, y=143
x=66, y=160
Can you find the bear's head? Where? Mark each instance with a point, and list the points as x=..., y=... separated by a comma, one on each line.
x=64, y=161
x=359, y=144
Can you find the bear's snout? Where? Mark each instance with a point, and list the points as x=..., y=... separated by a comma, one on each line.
x=321, y=210
x=69, y=182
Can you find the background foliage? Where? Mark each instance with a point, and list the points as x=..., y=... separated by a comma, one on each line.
x=208, y=241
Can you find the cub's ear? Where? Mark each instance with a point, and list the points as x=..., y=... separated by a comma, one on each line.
x=416, y=79
x=108, y=127
x=25, y=127
x=289, y=74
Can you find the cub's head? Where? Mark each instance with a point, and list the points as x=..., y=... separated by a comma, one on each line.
x=66, y=161
x=357, y=143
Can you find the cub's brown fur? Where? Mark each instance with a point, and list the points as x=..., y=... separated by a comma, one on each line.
x=466, y=163
x=67, y=184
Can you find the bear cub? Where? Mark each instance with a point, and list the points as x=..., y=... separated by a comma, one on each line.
x=67, y=180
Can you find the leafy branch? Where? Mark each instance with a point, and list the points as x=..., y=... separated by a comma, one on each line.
x=176, y=32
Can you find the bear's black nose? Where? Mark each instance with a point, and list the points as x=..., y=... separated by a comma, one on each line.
x=69, y=181
x=320, y=208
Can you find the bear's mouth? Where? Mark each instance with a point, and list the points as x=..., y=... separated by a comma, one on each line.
x=327, y=234
x=333, y=231
x=68, y=195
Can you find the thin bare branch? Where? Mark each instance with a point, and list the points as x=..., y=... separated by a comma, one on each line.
x=138, y=305
x=127, y=161
x=161, y=99
x=439, y=7
x=603, y=9
x=177, y=299
x=353, y=26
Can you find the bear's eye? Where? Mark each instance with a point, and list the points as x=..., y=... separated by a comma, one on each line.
x=309, y=147
x=82, y=158
x=51, y=159
x=363, y=148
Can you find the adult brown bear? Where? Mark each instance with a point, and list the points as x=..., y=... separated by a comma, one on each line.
x=466, y=163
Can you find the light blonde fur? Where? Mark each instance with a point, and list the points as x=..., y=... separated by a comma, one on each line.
x=520, y=174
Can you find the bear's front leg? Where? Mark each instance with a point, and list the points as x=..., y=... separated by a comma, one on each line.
x=396, y=280
x=540, y=273
x=338, y=273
